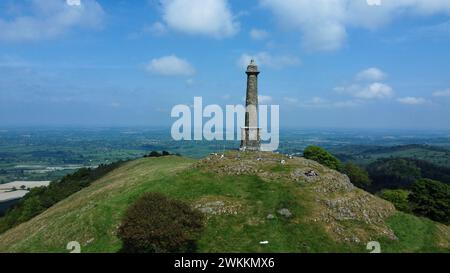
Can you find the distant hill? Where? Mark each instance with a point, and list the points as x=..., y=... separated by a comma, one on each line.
x=365, y=155
x=401, y=173
x=297, y=205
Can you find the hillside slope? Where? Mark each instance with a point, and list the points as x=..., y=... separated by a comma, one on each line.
x=296, y=204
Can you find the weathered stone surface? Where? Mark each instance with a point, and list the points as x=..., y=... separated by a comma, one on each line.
x=339, y=204
x=211, y=206
x=251, y=132
x=285, y=212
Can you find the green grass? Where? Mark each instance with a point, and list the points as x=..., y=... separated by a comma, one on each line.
x=92, y=215
x=258, y=198
x=414, y=234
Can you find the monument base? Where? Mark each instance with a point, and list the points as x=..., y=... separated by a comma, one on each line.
x=251, y=140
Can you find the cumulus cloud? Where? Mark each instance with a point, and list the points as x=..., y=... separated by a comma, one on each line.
x=443, y=93
x=170, y=66
x=374, y=90
x=47, y=19
x=258, y=34
x=266, y=59
x=205, y=17
x=367, y=86
x=371, y=74
x=324, y=23
x=412, y=100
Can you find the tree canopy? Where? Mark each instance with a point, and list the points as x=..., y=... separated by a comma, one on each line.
x=431, y=199
x=358, y=176
x=320, y=155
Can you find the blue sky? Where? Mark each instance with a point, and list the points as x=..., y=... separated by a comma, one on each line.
x=327, y=63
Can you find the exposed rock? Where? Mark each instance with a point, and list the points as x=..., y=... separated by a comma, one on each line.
x=341, y=206
x=270, y=217
x=285, y=212
x=217, y=207
x=311, y=173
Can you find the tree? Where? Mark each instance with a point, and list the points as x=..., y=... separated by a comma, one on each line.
x=158, y=224
x=431, y=199
x=358, y=176
x=397, y=197
x=322, y=156
x=154, y=154
x=393, y=173
x=41, y=198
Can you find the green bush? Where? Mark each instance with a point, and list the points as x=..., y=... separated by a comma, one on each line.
x=322, y=156
x=153, y=154
x=157, y=154
x=158, y=224
x=397, y=197
x=431, y=199
x=358, y=176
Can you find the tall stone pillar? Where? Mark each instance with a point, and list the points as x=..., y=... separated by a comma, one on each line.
x=251, y=131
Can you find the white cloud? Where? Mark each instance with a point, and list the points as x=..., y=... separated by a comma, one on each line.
x=205, y=17
x=170, y=66
x=258, y=34
x=266, y=59
x=371, y=74
x=443, y=93
x=374, y=90
x=367, y=85
x=411, y=100
x=324, y=23
x=262, y=99
x=49, y=19
x=73, y=2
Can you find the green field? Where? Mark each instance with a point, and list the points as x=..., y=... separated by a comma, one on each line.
x=93, y=215
x=365, y=155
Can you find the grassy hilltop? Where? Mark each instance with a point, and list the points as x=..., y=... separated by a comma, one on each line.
x=247, y=198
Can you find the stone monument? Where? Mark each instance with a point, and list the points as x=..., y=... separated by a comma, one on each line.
x=251, y=132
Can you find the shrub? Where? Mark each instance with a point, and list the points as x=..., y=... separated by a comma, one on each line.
x=431, y=199
x=158, y=224
x=322, y=156
x=153, y=154
x=158, y=154
x=397, y=197
x=358, y=176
